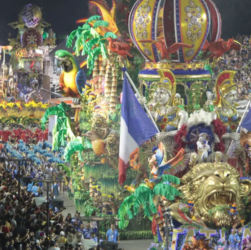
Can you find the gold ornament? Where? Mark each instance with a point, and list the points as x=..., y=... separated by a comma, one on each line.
x=210, y=185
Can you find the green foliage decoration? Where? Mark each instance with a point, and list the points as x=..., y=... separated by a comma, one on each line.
x=90, y=41
x=144, y=196
x=133, y=235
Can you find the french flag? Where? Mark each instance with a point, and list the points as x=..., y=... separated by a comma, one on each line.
x=135, y=128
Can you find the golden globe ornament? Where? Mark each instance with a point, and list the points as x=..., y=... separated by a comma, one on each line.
x=191, y=22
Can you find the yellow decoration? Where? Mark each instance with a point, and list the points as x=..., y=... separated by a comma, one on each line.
x=203, y=184
x=193, y=22
x=174, y=66
x=22, y=109
x=106, y=16
x=142, y=24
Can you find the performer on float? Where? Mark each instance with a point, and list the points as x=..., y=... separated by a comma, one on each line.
x=168, y=117
x=202, y=146
x=225, y=102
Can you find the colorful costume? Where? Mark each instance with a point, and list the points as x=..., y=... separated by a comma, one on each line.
x=167, y=123
x=230, y=122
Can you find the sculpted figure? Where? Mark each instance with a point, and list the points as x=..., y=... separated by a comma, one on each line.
x=225, y=102
x=210, y=185
x=168, y=117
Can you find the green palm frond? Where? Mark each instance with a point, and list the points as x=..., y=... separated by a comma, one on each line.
x=170, y=178
x=144, y=196
x=104, y=50
x=58, y=139
x=91, y=43
x=71, y=38
x=94, y=33
x=86, y=34
x=96, y=52
x=110, y=34
x=61, y=124
x=50, y=111
x=89, y=72
x=100, y=23
x=86, y=26
x=125, y=209
x=166, y=190
x=93, y=18
x=73, y=147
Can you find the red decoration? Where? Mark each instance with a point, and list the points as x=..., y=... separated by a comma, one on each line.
x=24, y=135
x=219, y=129
x=179, y=138
x=154, y=227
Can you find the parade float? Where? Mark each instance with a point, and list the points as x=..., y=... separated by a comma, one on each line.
x=29, y=56
x=192, y=179
x=197, y=144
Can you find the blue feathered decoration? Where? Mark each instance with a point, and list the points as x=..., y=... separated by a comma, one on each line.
x=31, y=155
x=48, y=155
x=36, y=160
x=51, y=160
x=15, y=154
x=47, y=145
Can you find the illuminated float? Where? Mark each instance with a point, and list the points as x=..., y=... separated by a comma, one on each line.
x=171, y=35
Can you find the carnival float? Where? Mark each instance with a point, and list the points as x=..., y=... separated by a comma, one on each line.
x=154, y=136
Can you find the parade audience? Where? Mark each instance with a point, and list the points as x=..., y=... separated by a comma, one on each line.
x=239, y=61
x=23, y=224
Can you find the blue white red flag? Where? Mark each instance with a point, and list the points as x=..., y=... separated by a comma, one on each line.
x=247, y=121
x=135, y=128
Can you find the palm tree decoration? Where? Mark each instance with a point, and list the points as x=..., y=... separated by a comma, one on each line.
x=62, y=129
x=149, y=196
x=91, y=42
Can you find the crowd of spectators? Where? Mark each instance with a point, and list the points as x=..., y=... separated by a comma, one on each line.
x=239, y=61
x=23, y=221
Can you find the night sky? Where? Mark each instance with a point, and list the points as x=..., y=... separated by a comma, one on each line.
x=62, y=15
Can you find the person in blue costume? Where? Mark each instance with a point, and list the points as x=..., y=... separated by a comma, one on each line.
x=112, y=234
x=168, y=117
x=87, y=231
x=234, y=240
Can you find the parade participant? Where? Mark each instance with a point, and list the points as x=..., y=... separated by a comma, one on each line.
x=112, y=234
x=202, y=146
x=234, y=240
x=87, y=231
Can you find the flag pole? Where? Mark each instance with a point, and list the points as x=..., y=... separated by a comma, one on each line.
x=146, y=108
x=242, y=118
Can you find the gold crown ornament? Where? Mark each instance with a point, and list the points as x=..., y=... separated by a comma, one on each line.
x=224, y=84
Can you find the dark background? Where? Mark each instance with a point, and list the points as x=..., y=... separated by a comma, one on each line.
x=63, y=14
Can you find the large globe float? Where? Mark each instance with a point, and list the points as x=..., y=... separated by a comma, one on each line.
x=185, y=28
